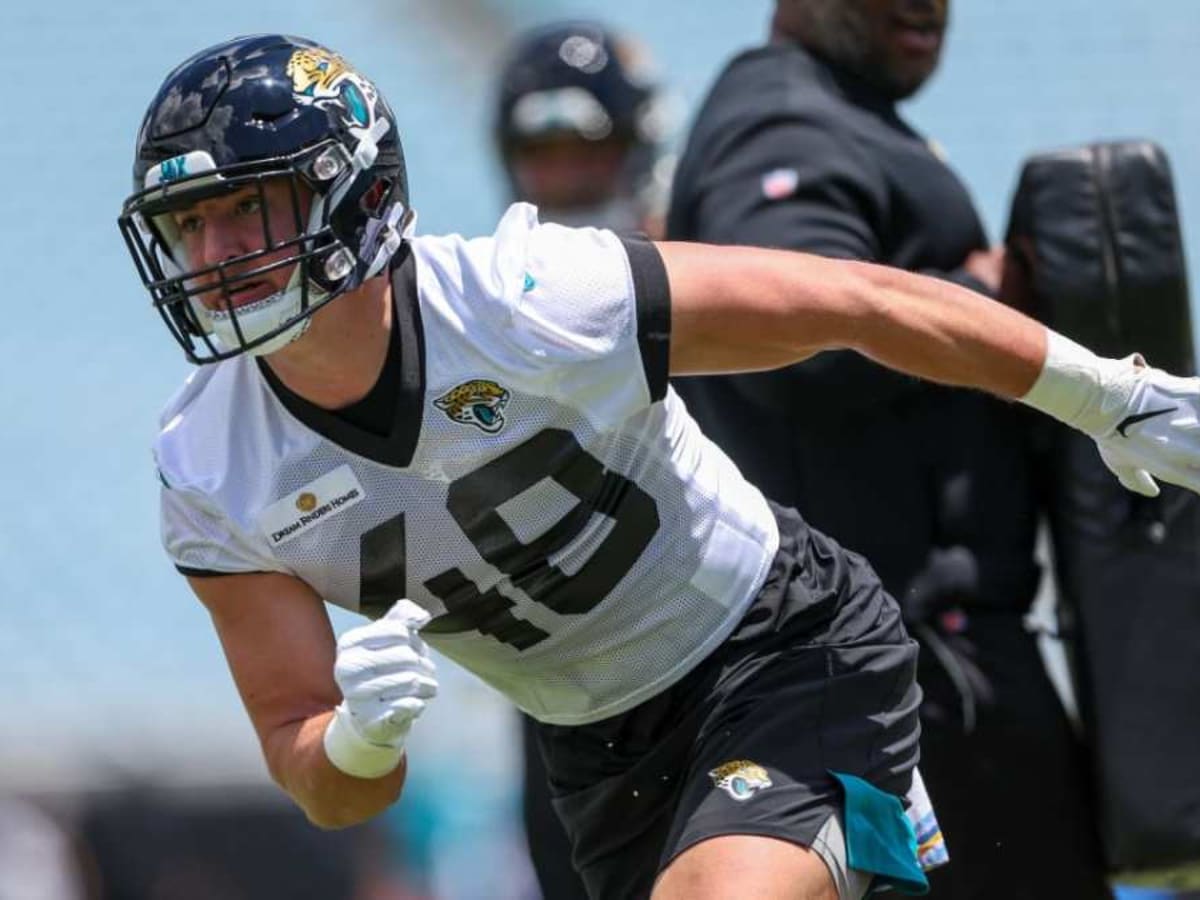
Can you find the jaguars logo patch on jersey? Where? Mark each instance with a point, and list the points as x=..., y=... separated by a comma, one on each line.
x=480, y=403
x=740, y=779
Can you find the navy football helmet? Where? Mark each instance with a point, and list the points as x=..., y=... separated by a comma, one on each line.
x=252, y=112
x=580, y=82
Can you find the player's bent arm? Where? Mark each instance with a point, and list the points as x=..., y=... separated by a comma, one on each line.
x=736, y=309
x=281, y=651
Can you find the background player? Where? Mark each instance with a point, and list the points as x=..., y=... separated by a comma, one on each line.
x=578, y=131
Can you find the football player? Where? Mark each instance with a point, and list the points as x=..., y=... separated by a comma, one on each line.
x=474, y=444
x=580, y=126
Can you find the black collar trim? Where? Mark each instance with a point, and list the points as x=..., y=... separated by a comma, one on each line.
x=396, y=449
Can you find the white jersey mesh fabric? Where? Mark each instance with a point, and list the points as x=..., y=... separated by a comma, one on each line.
x=580, y=546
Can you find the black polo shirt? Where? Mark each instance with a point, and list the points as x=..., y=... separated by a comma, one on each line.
x=788, y=152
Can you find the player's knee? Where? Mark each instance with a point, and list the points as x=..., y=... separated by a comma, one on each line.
x=746, y=866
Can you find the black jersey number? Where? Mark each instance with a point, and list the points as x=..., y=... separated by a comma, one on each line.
x=472, y=501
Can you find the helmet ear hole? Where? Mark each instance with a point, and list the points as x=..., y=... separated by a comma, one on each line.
x=375, y=197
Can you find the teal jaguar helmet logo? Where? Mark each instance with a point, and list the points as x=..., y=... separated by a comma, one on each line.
x=480, y=403
x=323, y=78
x=740, y=779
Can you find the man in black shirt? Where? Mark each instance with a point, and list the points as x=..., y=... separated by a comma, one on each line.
x=799, y=145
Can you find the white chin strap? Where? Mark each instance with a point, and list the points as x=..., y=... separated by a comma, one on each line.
x=254, y=320
x=262, y=317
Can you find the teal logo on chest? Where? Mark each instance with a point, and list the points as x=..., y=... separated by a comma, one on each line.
x=479, y=403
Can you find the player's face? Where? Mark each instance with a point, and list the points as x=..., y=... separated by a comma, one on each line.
x=567, y=172
x=895, y=44
x=247, y=221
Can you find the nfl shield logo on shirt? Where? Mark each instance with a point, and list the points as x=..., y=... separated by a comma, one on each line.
x=780, y=183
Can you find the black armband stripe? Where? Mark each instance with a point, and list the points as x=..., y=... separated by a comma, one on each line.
x=207, y=573
x=652, y=293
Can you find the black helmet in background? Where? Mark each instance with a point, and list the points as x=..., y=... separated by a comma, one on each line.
x=251, y=112
x=580, y=125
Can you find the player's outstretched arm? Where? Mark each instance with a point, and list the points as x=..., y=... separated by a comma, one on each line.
x=743, y=309
x=292, y=676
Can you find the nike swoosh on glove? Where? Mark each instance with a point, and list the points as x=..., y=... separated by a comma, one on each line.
x=1145, y=421
x=387, y=677
x=1158, y=436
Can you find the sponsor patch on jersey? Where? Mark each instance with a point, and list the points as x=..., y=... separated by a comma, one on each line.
x=780, y=183
x=478, y=402
x=316, y=502
x=740, y=779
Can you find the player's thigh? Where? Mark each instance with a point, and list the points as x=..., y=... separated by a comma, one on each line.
x=738, y=866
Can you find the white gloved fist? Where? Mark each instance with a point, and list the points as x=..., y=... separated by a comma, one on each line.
x=1146, y=422
x=386, y=676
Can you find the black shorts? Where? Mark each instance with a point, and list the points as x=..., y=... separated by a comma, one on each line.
x=818, y=677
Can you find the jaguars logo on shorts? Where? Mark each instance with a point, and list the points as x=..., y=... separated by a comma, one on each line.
x=740, y=779
x=480, y=403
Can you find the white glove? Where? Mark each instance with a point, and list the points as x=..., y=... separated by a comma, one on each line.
x=386, y=676
x=1146, y=422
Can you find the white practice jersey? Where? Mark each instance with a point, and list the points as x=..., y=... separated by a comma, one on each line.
x=543, y=494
